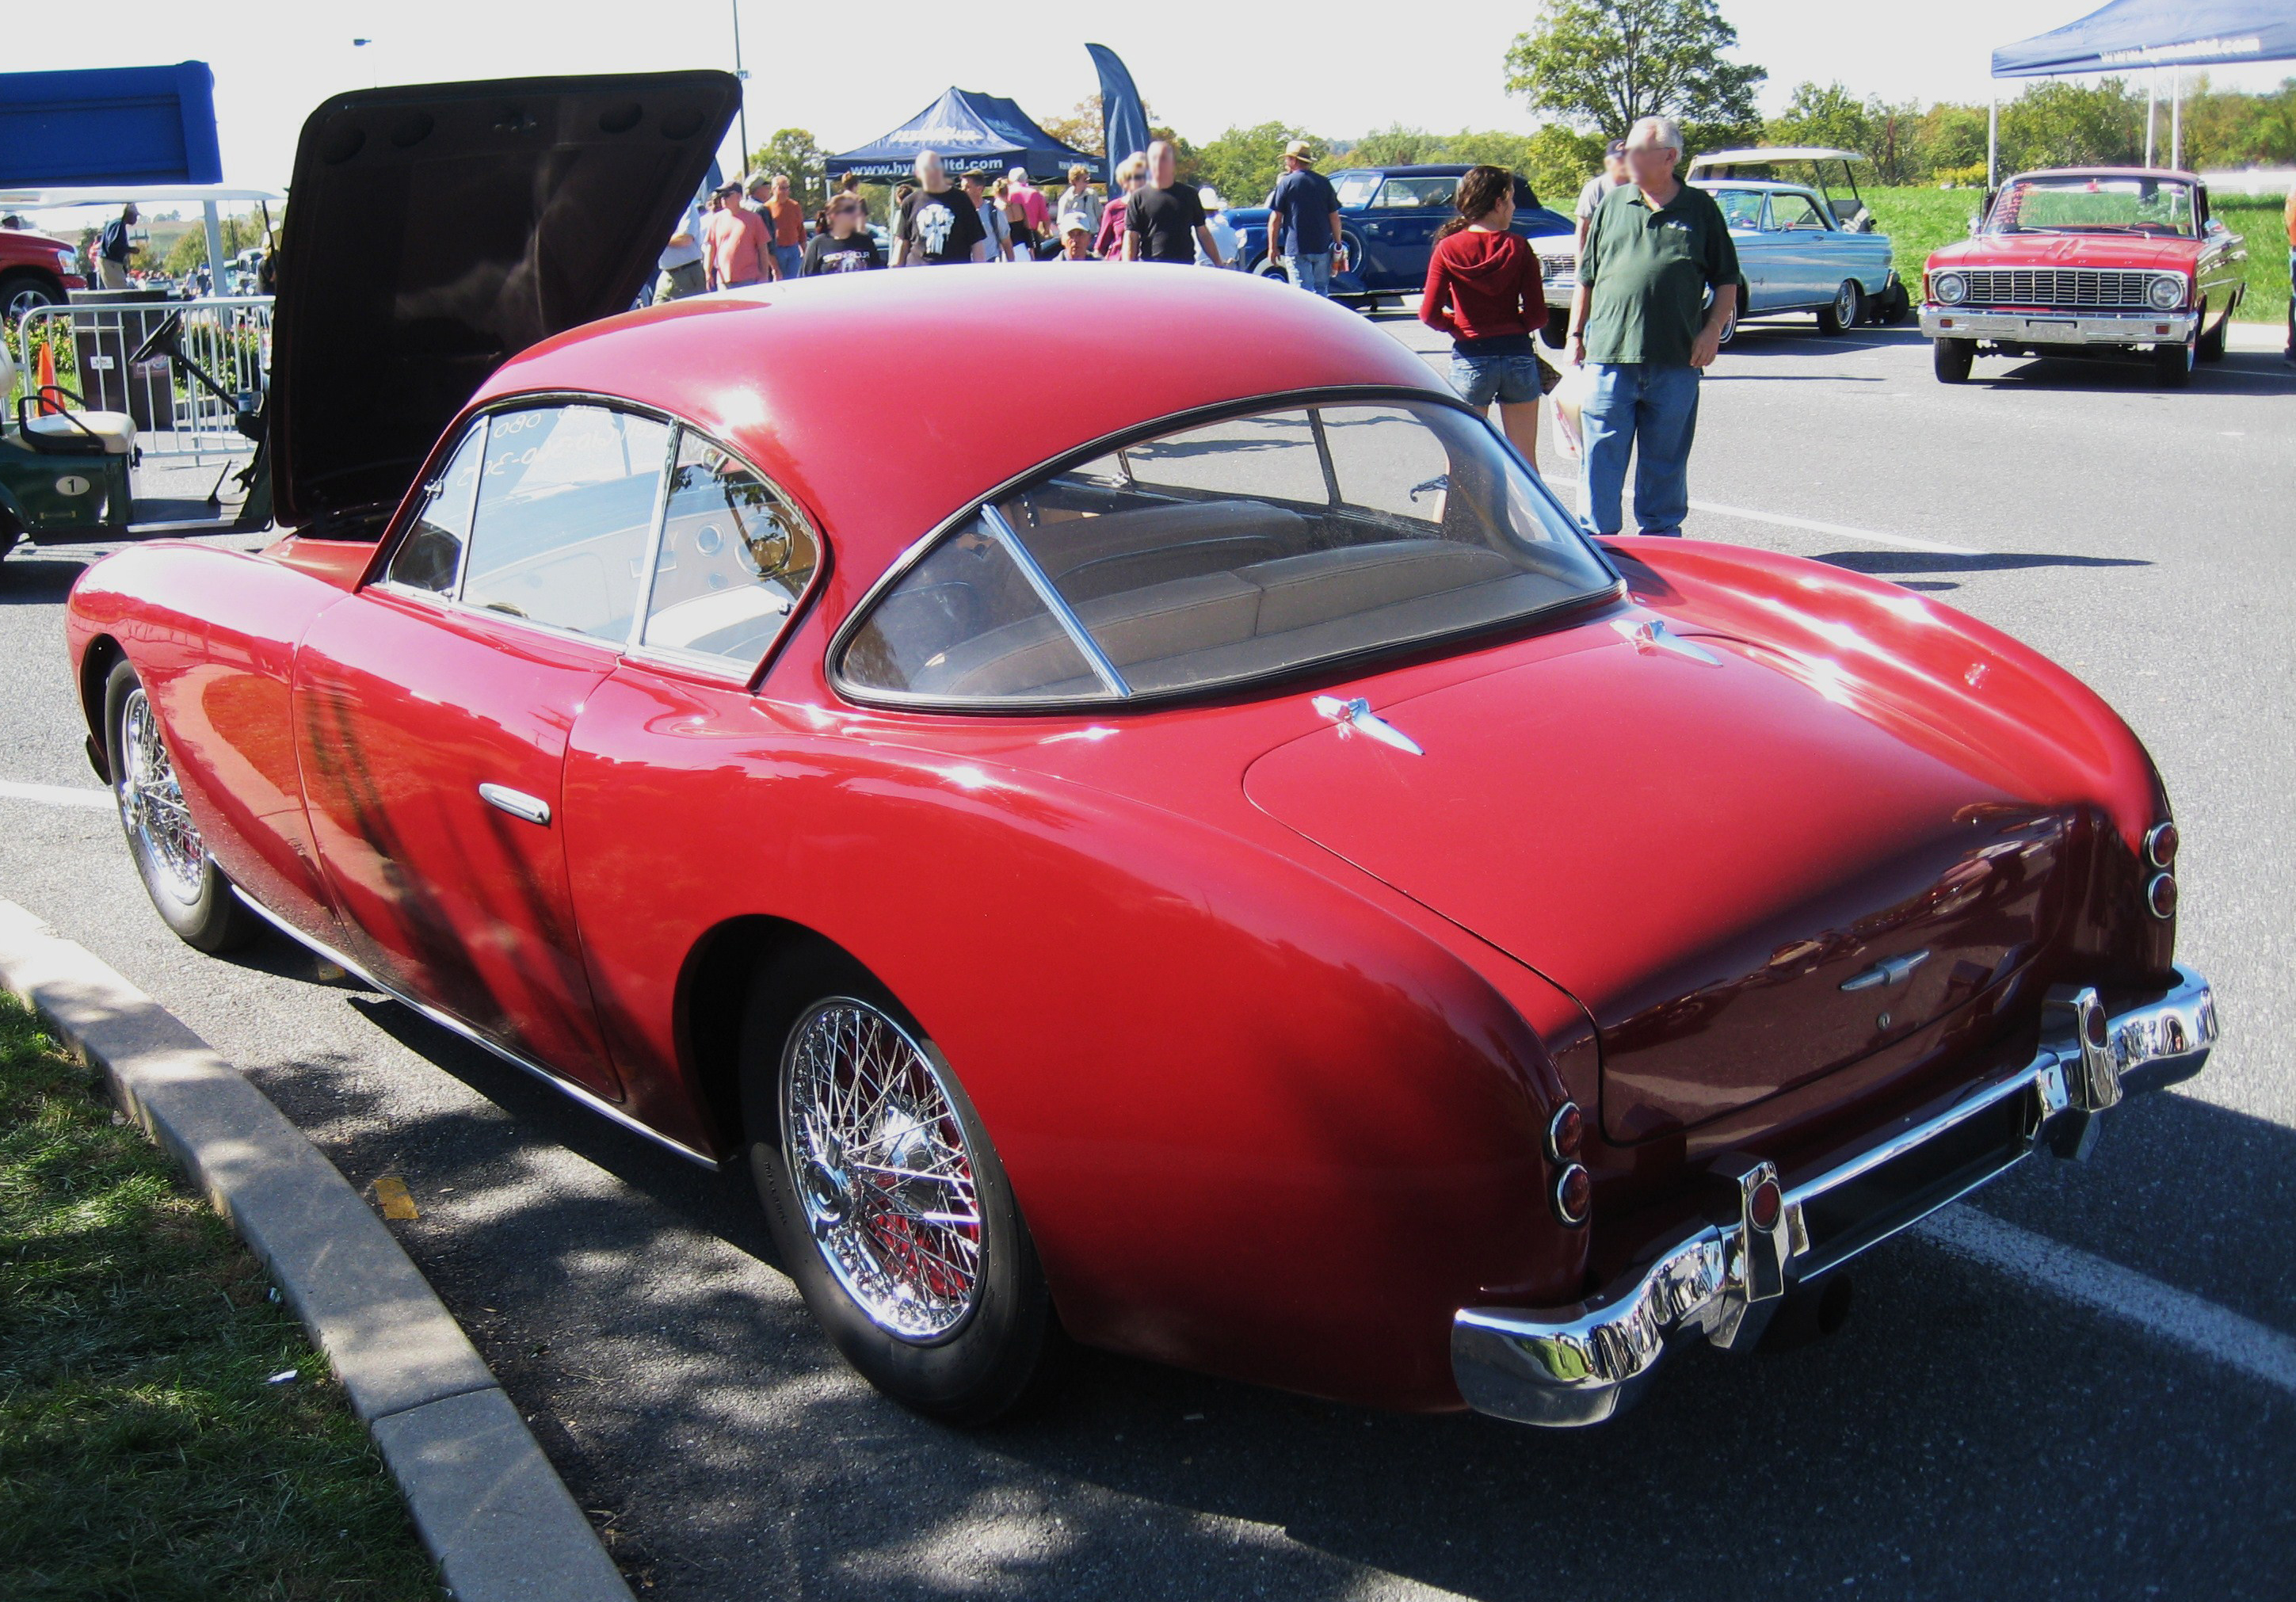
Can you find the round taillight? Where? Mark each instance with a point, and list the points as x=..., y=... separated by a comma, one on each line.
x=2096, y=1027
x=2161, y=845
x=1566, y=1132
x=2160, y=895
x=1766, y=1204
x=1574, y=1195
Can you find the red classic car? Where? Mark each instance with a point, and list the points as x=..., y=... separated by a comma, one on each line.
x=2082, y=260
x=1192, y=852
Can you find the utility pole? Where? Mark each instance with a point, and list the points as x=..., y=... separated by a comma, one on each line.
x=741, y=166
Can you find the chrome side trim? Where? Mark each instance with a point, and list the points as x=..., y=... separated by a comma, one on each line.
x=518, y=803
x=446, y=1020
x=1577, y=1365
x=1889, y=970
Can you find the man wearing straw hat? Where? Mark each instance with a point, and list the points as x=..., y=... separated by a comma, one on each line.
x=1303, y=223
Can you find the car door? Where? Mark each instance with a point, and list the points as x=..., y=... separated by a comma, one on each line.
x=433, y=710
x=1398, y=230
x=1802, y=270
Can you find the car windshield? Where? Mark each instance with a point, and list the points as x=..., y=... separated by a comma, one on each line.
x=2101, y=204
x=1243, y=548
x=1740, y=207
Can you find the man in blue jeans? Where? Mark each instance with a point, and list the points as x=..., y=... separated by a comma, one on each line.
x=1303, y=222
x=1641, y=322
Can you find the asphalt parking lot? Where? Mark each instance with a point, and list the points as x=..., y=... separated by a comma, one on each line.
x=2113, y=1420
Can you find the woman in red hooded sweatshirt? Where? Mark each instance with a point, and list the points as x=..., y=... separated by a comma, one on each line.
x=1483, y=291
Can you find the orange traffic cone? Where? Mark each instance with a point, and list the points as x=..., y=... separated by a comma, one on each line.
x=47, y=382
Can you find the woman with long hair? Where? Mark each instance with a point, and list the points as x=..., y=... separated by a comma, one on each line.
x=1483, y=291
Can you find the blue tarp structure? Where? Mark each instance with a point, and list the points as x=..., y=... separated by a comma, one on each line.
x=973, y=133
x=2157, y=33
x=108, y=126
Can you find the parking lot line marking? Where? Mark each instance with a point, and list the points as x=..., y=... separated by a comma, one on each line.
x=2161, y=1311
x=1838, y=531
x=55, y=795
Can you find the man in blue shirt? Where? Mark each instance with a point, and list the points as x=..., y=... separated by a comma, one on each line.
x=1303, y=222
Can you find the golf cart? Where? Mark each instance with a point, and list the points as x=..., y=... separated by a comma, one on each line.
x=68, y=473
x=1810, y=165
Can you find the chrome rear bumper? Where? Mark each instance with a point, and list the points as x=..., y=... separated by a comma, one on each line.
x=1576, y=1365
x=2058, y=327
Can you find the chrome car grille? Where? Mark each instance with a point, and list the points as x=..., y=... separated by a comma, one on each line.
x=1558, y=269
x=2056, y=286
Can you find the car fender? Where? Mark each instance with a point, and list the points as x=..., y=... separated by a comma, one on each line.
x=1258, y=1123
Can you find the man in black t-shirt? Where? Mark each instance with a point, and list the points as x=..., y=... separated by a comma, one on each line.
x=937, y=226
x=1165, y=220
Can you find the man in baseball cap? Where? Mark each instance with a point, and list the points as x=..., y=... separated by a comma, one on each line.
x=1303, y=222
x=1612, y=176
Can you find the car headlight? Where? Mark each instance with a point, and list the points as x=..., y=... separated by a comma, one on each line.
x=1948, y=288
x=2166, y=293
x=67, y=262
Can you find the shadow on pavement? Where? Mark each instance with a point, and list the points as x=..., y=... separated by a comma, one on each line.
x=31, y=580
x=1964, y=1427
x=1890, y=563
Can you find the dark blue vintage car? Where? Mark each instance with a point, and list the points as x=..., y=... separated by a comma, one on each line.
x=1389, y=215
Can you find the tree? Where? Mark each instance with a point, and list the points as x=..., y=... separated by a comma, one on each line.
x=190, y=248
x=1557, y=161
x=1244, y=163
x=1827, y=115
x=1396, y=145
x=1607, y=67
x=1948, y=139
x=1079, y=126
x=2060, y=124
x=792, y=152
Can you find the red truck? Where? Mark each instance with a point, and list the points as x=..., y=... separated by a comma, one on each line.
x=36, y=271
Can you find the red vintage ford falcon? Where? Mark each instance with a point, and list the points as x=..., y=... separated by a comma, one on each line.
x=2081, y=261
x=1195, y=853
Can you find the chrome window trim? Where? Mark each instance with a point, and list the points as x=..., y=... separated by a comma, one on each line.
x=724, y=669
x=1102, y=669
x=1117, y=441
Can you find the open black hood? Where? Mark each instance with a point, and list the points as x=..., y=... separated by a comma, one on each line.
x=434, y=232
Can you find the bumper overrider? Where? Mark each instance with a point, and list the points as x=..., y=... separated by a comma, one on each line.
x=2058, y=327
x=1578, y=1365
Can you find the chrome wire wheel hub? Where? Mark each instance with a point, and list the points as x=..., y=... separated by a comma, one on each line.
x=1845, y=305
x=879, y=1162
x=151, y=807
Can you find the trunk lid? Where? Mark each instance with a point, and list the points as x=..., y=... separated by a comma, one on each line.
x=433, y=231
x=1702, y=852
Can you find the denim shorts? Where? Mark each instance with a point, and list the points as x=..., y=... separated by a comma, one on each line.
x=1509, y=380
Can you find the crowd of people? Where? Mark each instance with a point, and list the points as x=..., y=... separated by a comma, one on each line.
x=1657, y=278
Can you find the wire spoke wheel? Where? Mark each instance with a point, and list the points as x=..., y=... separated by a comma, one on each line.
x=151, y=807
x=878, y=1159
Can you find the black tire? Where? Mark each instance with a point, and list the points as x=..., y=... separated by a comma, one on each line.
x=1845, y=310
x=997, y=1355
x=1953, y=359
x=197, y=903
x=22, y=291
x=2172, y=365
x=2212, y=343
x=1896, y=304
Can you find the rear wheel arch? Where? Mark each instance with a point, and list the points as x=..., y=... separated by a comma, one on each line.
x=713, y=998
x=94, y=674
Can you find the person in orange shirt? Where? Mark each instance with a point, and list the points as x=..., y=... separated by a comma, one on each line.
x=735, y=245
x=787, y=218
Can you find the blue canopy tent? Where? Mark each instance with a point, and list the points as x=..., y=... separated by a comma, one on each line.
x=2151, y=33
x=973, y=132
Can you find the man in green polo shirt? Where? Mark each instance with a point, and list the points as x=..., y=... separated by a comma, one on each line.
x=1641, y=322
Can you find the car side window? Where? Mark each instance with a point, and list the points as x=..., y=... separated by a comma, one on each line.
x=1414, y=193
x=565, y=506
x=735, y=555
x=430, y=555
x=1794, y=213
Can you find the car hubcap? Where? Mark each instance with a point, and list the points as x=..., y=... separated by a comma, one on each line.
x=152, y=803
x=881, y=1167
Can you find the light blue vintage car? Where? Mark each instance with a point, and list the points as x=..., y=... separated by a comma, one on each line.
x=1799, y=249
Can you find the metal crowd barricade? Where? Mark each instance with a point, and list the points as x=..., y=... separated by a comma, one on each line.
x=228, y=336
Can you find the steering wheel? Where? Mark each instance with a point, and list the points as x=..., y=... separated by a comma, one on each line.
x=160, y=340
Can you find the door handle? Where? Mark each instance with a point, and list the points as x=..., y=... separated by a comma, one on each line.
x=520, y=805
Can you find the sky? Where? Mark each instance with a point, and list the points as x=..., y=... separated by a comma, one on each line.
x=849, y=75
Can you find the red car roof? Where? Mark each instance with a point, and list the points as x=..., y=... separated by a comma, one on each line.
x=885, y=401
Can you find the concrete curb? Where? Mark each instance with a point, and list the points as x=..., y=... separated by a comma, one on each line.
x=485, y=1500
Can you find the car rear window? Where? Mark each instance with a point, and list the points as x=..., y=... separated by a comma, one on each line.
x=1247, y=547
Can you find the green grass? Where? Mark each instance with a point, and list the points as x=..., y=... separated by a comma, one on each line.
x=1919, y=220
x=142, y=1454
